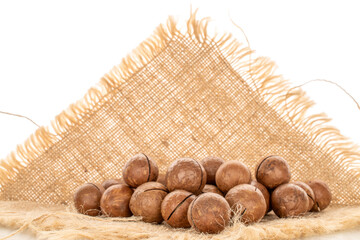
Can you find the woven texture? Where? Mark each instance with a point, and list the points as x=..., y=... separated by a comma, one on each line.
x=181, y=95
x=57, y=222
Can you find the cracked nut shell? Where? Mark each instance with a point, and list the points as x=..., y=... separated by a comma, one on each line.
x=289, y=200
x=248, y=202
x=273, y=171
x=265, y=193
x=211, y=165
x=309, y=193
x=209, y=213
x=140, y=169
x=322, y=195
x=230, y=174
x=174, y=208
x=146, y=201
x=87, y=199
x=115, y=201
x=212, y=188
x=186, y=174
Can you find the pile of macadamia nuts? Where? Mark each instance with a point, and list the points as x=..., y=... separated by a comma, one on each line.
x=204, y=195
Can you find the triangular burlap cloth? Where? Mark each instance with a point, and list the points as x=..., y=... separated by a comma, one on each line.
x=179, y=94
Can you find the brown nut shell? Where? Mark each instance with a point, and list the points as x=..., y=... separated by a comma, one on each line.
x=211, y=165
x=212, y=188
x=140, y=169
x=146, y=201
x=162, y=179
x=309, y=193
x=273, y=171
x=265, y=193
x=209, y=213
x=186, y=174
x=230, y=174
x=247, y=202
x=87, y=199
x=110, y=182
x=115, y=201
x=174, y=208
x=322, y=195
x=289, y=200
x=100, y=187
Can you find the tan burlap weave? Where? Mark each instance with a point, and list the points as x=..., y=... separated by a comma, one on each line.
x=179, y=94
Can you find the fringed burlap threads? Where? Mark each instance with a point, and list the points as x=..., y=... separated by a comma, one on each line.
x=49, y=222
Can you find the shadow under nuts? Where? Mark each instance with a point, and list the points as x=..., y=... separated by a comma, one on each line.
x=322, y=195
x=146, y=201
x=209, y=213
x=211, y=165
x=87, y=199
x=186, y=174
x=230, y=174
x=140, y=169
x=273, y=171
x=289, y=200
x=115, y=201
x=247, y=202
x=174, y=208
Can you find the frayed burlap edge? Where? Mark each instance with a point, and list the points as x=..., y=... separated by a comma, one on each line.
x=291, y=103
x=57, y=222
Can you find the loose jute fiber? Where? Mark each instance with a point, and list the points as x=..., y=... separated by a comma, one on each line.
x=179, y=94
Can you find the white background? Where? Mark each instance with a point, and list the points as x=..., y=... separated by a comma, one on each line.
x=52, y=52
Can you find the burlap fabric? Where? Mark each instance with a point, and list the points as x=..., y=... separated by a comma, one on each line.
x=181, y=94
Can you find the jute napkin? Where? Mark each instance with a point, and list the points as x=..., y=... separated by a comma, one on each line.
x=179, y=94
